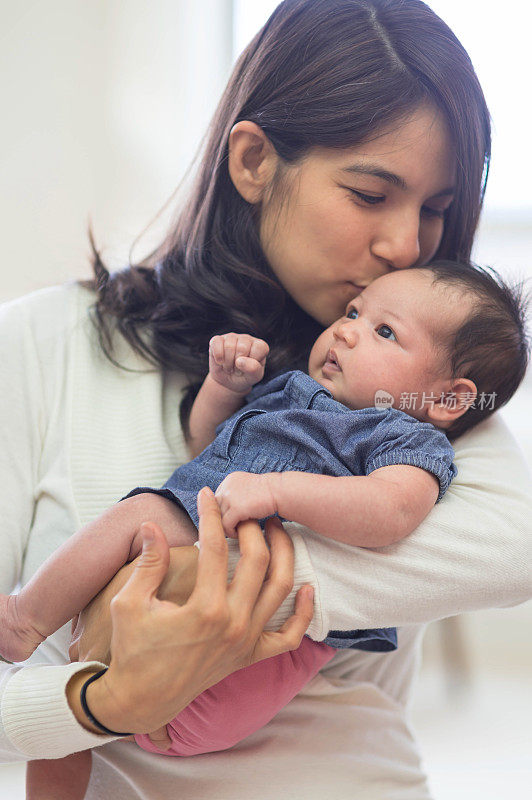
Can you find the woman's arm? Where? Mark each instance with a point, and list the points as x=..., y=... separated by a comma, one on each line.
x=471, y=552
x=24, y=409
x=36, y=720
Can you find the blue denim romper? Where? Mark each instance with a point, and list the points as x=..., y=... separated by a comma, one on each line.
x=293, y=423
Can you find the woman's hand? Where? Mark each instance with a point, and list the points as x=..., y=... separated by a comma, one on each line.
x=162, y=654
x=91, y=630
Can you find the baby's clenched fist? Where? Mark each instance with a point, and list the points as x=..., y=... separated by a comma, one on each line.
x=237, y=360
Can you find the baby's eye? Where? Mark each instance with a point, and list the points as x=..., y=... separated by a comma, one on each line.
x=351, y=313
x=386, y=332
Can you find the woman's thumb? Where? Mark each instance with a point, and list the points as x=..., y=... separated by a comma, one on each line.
x=152, y=565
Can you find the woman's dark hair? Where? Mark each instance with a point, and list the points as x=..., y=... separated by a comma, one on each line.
x=320, y=73
x=492, y=346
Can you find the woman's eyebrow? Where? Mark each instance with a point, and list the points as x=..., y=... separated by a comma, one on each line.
x=377, y=172
x=391, y=177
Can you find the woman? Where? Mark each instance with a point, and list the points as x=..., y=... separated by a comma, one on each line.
x=352, y=139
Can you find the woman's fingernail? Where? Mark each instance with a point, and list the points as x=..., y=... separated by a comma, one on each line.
x=147, y=537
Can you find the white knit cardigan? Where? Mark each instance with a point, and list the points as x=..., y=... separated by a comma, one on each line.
x=77, y=433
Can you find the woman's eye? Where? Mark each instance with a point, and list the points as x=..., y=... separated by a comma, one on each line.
x=351, y=313
x=433, y=213
x=386, y=332
x=369, y=199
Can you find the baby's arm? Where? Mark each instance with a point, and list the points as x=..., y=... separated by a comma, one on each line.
x=373, y=510
x=236, y=363
x=78, y=570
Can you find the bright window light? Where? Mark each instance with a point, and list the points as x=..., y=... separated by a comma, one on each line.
x=499, y=45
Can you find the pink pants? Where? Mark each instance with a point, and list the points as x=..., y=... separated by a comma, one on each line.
x=243, y=702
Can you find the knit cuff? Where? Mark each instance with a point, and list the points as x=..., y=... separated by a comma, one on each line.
x=36, y=716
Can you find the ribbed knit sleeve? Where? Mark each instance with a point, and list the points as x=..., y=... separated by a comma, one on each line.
x=471, y=552
x=36, y=719
x=304, y=573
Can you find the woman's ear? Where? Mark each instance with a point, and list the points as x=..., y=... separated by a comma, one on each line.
x=252, y=160
x=459, y=397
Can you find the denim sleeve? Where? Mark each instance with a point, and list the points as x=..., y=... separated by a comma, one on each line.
x=417, y=444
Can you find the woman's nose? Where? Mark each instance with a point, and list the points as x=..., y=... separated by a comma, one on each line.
x=397, y=242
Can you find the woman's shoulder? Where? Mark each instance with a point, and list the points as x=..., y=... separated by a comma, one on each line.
x=492, y=471
x=46, y=313
x=57, y=323
x=489, y=444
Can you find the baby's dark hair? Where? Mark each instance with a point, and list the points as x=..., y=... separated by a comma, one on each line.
x=492, y=346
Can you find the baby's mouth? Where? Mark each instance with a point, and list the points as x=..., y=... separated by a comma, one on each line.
x=332, y=360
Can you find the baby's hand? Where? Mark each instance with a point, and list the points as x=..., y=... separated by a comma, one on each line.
x=245, y=495
x=236, y=360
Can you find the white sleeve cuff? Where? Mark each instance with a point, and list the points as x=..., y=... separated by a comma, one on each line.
x=36, y=716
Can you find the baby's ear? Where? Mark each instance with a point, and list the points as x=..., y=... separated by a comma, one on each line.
x=459, y=397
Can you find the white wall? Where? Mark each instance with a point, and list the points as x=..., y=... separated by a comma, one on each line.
x=103, y=105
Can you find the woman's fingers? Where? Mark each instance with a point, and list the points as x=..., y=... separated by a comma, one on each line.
x=211, y=580
x=250, y=569
x=289, y=636
x=164, y=654
x=279, y=577
x=281, y=551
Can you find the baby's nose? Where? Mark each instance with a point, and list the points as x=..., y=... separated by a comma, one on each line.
x=347, y=332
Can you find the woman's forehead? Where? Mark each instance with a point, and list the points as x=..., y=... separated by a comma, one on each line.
x=419, y=144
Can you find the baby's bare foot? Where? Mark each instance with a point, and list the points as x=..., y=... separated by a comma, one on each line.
x=18, y=639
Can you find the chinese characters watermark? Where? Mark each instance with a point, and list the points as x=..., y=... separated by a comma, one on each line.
x=410, y=401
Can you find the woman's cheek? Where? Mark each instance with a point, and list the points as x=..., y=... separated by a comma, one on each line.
x=429, y=240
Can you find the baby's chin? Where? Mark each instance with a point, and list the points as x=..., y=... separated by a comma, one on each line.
x=323, y=381
x=328, y=384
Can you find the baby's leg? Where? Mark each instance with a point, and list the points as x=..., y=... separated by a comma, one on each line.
x=240, y=704
x=61, y=779
x=78, y=570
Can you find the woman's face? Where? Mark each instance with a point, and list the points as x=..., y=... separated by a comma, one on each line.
x=352, y=215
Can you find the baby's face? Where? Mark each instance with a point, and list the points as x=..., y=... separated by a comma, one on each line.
x=388, y=341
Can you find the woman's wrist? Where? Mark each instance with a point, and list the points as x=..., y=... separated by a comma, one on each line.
x=88, y=713
x=73, y=695
x=102, y=701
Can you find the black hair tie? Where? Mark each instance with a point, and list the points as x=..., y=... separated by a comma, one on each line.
x=88, y=713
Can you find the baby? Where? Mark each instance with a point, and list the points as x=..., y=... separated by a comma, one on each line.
x=331, y=450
